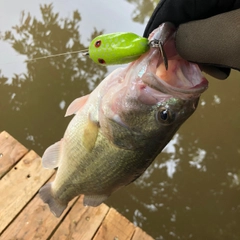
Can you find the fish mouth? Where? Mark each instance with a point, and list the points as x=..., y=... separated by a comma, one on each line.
x=182, y=78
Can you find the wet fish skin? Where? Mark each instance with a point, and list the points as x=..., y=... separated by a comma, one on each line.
x=119, y=129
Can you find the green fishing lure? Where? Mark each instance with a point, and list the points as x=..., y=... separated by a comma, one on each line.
x=117, y=48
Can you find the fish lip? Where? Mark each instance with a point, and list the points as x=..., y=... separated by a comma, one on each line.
x=182, y=77
x=155, y=81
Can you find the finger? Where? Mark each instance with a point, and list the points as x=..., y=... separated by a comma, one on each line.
x=182, y=11
x=220, y=73
x=212, y=41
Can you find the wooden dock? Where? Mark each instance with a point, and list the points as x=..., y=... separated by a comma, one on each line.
x=24, y=216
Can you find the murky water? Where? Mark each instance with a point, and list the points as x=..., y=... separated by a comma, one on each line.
x=192, y=190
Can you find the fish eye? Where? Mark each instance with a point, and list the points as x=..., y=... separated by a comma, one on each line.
x=98, y=43
x=101, y=61
x=164, y=115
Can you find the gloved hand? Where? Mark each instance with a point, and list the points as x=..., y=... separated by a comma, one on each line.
x=208, y=33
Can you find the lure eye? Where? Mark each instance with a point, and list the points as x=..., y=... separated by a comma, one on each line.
x=164, y=115
x=101, y=61
x=98, y=43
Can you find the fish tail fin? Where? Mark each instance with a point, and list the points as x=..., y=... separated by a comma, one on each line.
x=46, y=195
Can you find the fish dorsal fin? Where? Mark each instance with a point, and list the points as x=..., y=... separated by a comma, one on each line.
x=90, y=134
x=76, y=105
x=51, y=156
x=94, y=200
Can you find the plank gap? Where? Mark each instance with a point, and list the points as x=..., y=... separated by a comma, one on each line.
x=35, y=195
x=34, y=222
x=17, y=189
x=23, y=215
x=100, y=224
x=60, y=222
x=11, y=152
x=115, y=226
x=82, y=222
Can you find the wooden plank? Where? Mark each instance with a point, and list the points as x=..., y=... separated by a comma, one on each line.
x=139, y=234
x=11, y=151
x=19, y=185
x=34, y=222
x=23, y=215
x=81, y=223
x=115, y=227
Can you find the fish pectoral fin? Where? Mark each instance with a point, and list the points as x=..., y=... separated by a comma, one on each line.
x=90, y=134
x=46, y=195
x=51, y=157
x=94, y=200
x=76, y=105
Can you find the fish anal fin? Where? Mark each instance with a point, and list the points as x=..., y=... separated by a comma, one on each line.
x=94, y=200
x=51, y=156
x=76, y=105
x=90, y=134
x=46, y=195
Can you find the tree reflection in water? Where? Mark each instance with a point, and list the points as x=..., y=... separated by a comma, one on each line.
x=191, y=191
x=143, y=9
x=34, y=101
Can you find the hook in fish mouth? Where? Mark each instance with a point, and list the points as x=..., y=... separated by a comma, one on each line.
x=158, y=44
x=182, y=77
x=159, y=37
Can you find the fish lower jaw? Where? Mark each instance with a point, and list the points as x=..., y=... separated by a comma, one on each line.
x=181, y=76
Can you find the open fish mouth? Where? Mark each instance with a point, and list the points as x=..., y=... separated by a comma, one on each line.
x=182, y=77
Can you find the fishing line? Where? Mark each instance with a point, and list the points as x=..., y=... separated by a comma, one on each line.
x=59, y=54
x=84, y=52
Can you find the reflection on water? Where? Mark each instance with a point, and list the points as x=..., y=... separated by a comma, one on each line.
x=191, y=191
x=196, y=194
x=33, y=100
x=143, y=9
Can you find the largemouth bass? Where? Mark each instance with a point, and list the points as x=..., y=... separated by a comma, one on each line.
x=120, y=128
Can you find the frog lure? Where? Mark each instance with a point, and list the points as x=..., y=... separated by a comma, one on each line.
x=120, y=48
x=124, y=47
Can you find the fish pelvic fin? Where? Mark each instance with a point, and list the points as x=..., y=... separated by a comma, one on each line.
x=45, y=194
x=90, y=135
x=76, y=105
x=94, y=200
x=51, y=156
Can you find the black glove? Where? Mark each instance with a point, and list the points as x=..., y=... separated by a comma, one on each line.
x=213, y=41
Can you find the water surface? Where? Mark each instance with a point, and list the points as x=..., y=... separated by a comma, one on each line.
x=192, y=189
